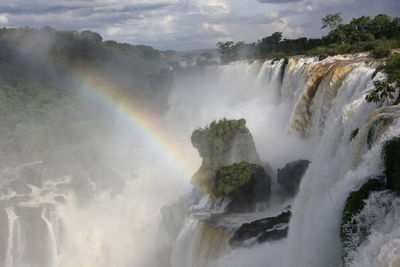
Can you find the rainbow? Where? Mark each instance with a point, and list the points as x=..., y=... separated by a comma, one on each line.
x=139, y=119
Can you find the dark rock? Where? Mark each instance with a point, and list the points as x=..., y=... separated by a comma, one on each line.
x=264, y=230
x=289, y=177
x=354, y=134
x=322, y=57
x=353, y=206
x=283, y=68
x=268, y=169
x=391, y=158
x=244, y=183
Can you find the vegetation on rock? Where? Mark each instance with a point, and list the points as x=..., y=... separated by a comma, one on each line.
x=354, y=204
x=244, y=183
x=385, y=89
x=230, y=179
x=225, y=142
x=221, y=144
x=383, y=92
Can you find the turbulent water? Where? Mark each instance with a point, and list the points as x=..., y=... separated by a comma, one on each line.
x=300, y=109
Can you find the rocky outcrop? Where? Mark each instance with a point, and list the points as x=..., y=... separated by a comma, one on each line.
x=391, y=158
x=353, y=231
x=289, y=177
x=222, y=143
x=264, y=230
x=353, y=206
x=244, y=183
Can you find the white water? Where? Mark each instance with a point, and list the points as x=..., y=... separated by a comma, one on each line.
x=326, y=120
x=288, y=123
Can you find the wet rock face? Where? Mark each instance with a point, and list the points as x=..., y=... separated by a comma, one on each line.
x=264, y=230
x=391, y=158
x=244, y=183
x=289, y=177
x=353, y=206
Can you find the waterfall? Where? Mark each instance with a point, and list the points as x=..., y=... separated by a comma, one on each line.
x=299, y=108
x=13, y=227
x=319, y=105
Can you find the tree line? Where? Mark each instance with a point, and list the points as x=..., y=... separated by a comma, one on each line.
x=362, y=34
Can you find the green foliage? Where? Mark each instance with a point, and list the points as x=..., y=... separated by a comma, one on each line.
x=218, y=137
x=383, y=92
x=224, y=142
x=381, y=52
x=392, y=69
x=379, y=34
x=61, y=54
x=45, y=107
x=391, y=159
x=275, y=55
x=229, y=51
x=230, y=179
x=331, y=20
x=365, y=29
x=356, y=47
x=221, y=144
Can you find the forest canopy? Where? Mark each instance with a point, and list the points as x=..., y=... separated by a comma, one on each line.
x=361, y=34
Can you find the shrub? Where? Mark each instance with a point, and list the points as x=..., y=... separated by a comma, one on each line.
x=381, y=52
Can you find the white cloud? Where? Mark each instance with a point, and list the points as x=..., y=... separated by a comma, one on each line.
x=187, y=24
x=3, y=19
x=282, y=25
x=113, y=30
x=212, y=7
x=215, y=27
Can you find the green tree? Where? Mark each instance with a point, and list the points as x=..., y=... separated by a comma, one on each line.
x=92, y=36
x=383, y=91
x=229, y=51
x=381, y=26
x=270, y=43
x=332, y=21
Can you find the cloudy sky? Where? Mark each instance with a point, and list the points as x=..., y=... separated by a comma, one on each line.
x=187, y=24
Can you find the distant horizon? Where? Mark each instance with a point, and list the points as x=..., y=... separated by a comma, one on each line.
x=186, y=25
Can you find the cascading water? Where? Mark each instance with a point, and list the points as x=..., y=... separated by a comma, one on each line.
x=300, y=108
x=323, y=103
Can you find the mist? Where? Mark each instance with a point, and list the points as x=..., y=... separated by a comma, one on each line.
x=96, y=156
x=100, y=181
